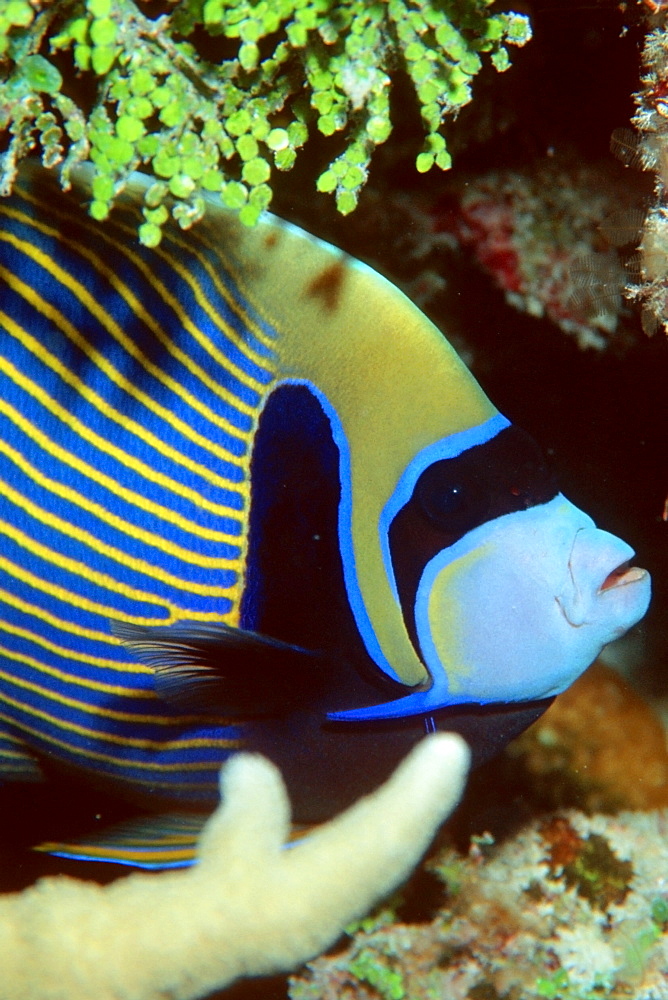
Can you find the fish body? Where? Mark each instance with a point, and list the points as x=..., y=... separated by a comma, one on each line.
x=250, y=498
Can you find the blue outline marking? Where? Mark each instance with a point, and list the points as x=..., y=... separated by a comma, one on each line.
x=355, y=598
x=143, y=865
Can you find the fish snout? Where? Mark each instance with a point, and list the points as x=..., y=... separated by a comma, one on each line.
x=603, y=588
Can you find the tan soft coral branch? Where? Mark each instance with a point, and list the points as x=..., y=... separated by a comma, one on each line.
x=249, y=907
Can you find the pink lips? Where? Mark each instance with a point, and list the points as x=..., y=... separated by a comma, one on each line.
x=623, y=575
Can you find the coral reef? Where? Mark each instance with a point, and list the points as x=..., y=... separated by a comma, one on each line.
x=216, y=93
x=573, y=908
x=550, y=238
x=599, y=747
x=648, y=149
x=248, y=907
x=557, y=237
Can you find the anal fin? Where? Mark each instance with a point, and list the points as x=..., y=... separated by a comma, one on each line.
x=157, y=842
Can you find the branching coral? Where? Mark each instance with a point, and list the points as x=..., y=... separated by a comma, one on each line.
x=217, y=93
x=248, y=907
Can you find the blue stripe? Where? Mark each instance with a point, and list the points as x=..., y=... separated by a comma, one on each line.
x=101, y=532
x=72, y=644
x=89, y=453
x=357, y=605
x=115, y=253
x=216, y=258
x=129, y=512
x=151, y=866
x=122, y=437
x=119, y=604
x=117, y=569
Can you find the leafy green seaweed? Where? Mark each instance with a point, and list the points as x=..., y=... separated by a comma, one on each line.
x=213, y=95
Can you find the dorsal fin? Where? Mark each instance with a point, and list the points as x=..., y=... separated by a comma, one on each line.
x=218, y=669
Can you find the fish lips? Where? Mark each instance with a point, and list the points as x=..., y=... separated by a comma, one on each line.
x=603, y=587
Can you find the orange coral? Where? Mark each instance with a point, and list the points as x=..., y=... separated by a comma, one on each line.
x=599, y=746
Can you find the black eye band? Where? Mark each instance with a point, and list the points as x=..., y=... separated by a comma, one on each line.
x=455, y=495
x=506, y=474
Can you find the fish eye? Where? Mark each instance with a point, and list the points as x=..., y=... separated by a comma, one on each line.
x=452, y=504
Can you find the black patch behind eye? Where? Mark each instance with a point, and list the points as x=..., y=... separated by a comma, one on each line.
x=455, y=495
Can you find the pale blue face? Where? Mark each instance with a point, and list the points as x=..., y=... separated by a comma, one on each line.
x=521, y=605
x=522, y=592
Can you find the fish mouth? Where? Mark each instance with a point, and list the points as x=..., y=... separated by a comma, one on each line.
x=622, y=576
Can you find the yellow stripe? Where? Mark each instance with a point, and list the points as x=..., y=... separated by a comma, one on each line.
x=171, y=236
x=153, y=783
x=203, y=301
x=59, y=320
x=135, y=499
x=88, y=435
x=75, y=600
x=151, y=746
x=82, y=706
x=70, y=378
x=135, y=531
x=89, y=255
x=43, y=615
x=239, y=276
x=135, y=304
x=150, y=856
x=72, y=531
x=90, y=575
x=86, y=707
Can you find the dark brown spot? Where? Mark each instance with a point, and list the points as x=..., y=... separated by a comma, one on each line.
x=327, y=286
x=270, y=241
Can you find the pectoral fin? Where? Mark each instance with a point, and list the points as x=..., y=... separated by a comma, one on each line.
x=217, y=669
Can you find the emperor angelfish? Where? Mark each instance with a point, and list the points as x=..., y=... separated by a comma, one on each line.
x=252, y=499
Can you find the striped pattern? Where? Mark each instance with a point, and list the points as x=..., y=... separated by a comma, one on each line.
x=168, y=841
x=130, y=386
